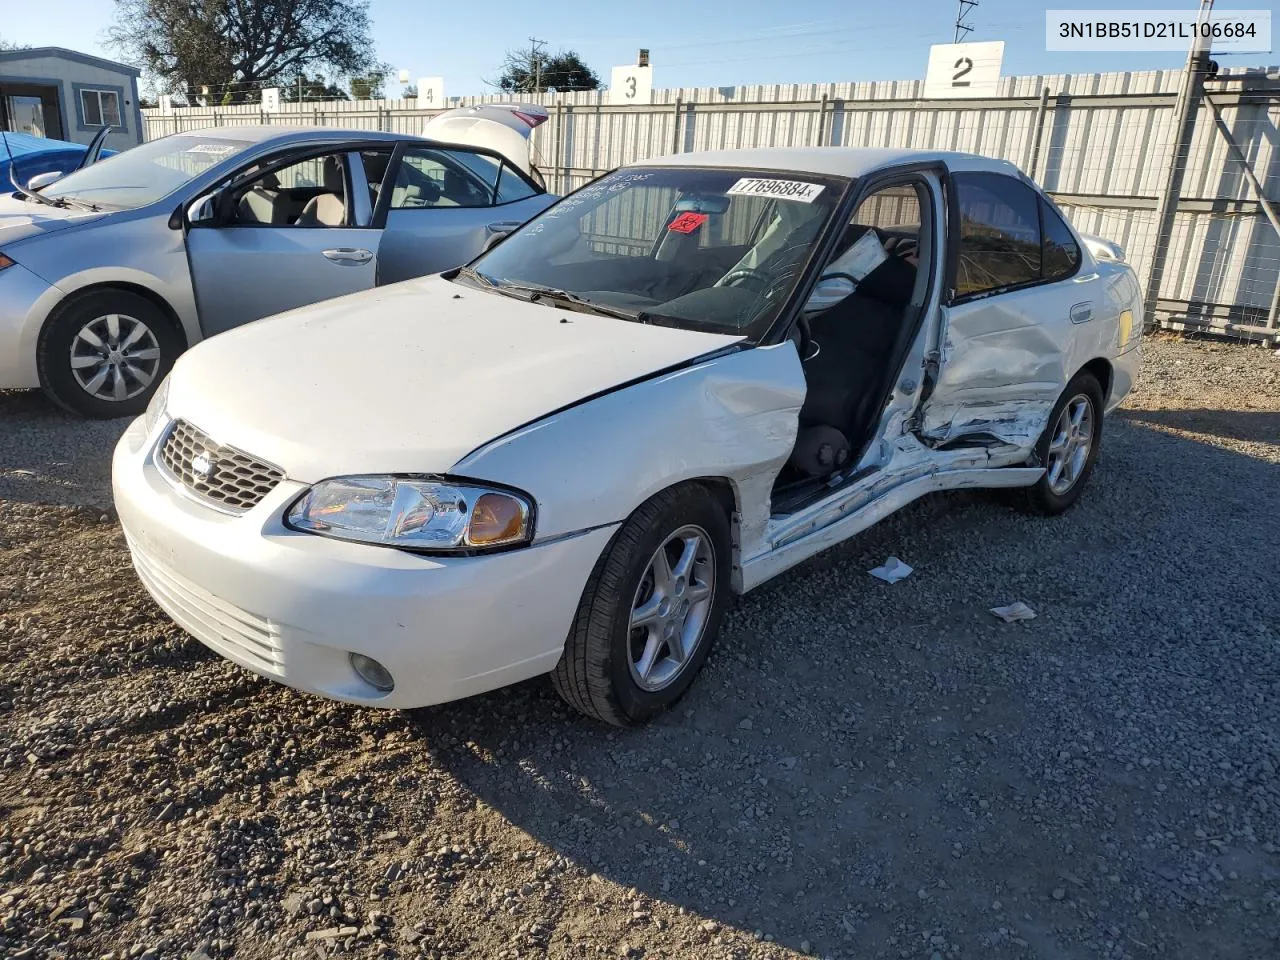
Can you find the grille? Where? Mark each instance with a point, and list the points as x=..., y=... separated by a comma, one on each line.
x=219, y=474
x=233, y=632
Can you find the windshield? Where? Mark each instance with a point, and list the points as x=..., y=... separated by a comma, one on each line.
x=703, y=249
x=146, y=173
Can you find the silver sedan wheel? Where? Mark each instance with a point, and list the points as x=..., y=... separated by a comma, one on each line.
x=671, y=607
x=1071, y=444
x=115, y=357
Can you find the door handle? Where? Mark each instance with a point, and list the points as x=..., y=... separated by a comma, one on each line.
x=503, y=226
x=348, y=255
x=1082, y=313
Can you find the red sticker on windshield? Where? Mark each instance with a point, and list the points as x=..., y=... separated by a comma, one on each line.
x=687, y=222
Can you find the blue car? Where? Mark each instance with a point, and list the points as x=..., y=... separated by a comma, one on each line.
x=26, y=156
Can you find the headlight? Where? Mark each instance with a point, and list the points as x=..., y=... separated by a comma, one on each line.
x=155, y=409
x=415, y=513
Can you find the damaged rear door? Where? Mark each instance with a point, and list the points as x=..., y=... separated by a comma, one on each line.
x=1005, y=333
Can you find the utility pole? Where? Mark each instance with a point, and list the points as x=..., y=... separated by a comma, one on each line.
x=964, y=29
x=1184, y=118
x=535, y=55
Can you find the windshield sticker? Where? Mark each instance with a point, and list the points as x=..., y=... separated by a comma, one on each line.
x=687, y=222
x=780, y=189
x=216, y=149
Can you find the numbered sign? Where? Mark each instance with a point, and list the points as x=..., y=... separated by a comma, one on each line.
x=630, y=85
x=963, y=70
x=431, y=92
x=271, y=99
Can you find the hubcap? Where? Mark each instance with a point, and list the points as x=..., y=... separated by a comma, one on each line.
x=115, y=357
x=1072, y=441
x=671, y=606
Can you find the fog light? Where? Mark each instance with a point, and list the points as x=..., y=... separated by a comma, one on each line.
x=372, y=672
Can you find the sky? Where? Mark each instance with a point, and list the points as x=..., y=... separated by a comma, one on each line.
x=691, y=42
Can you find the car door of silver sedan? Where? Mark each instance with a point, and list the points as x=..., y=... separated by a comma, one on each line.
x=243, y=270
x=444, y=206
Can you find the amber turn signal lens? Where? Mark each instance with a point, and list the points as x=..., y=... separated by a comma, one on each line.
x=496, y=519
x=5, y=261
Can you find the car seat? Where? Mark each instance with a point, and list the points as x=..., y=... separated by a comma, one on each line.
x=264, y=203
x=328, y=209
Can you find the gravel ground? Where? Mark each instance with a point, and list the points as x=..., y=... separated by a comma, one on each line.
x=862, y=771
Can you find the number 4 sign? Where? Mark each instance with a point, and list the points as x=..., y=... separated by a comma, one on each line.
x=963, y=70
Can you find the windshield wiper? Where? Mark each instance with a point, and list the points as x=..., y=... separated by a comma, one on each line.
x=566, y=297
x=87, y=204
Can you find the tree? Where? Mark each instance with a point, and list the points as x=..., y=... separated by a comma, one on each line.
x=366, y=88
x=410, y=92
x=534, y=70
x=7, y=45
x=312, y=88
x=236, y=47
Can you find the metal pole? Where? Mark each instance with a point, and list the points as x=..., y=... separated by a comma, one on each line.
x=1036, y=137
x=1238, y=155
x=822, y=123
x=1185, y=111
x=675, y=126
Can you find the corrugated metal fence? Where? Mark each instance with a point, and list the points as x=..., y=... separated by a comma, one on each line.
x=1099, y=143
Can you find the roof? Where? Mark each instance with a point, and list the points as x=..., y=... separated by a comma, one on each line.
x=62, y=53
x=263, y=132
x=21, y=144
x=831, y=161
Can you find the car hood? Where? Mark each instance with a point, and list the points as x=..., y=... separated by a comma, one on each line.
x=20, y=219
x=408, y=378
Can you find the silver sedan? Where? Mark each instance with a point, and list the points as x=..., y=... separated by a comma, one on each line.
x=109, y=273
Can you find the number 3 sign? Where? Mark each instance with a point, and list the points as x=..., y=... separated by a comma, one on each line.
x=628, y=85
x=964, y=70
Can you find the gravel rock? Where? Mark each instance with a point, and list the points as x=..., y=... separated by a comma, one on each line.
x=918, y=780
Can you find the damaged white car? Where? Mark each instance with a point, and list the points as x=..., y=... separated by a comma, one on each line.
x=669, y=387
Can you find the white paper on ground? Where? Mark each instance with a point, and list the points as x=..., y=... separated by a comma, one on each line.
x=1014, y=612
x=892, y=571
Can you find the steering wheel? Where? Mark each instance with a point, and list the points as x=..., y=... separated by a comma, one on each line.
x=744, y=274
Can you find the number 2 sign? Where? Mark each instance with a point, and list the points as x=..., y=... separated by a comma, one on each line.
x=963, y=70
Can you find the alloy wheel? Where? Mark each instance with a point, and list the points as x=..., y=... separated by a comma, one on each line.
x=1071, y=444
x=671, y=607
x=115, y=357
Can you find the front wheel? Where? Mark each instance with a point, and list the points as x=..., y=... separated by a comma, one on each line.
x=650, y=611
x=103, y=354
x=1069, y=446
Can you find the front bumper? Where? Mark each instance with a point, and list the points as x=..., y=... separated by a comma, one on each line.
x=292, y=606
x=24, y=303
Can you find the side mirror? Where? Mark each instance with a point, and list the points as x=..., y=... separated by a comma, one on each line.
x=830, y=290
x=42, y=180
x=202, y=211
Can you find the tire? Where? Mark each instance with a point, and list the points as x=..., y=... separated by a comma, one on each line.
x=70, y=362
x=1054, y=492
x=602, y=672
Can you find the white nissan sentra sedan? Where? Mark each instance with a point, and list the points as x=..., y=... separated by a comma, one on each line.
x=674, y=384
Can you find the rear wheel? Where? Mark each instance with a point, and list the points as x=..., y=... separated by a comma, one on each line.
x=1069, y=447
x=103, y=354
x=650, y=611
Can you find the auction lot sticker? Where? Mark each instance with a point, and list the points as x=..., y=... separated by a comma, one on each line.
x=778, y=189
x=1226, y=31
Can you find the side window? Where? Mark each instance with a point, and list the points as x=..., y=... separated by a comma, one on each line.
x=310, y=193
x=1060, y=252
x=430, y=178
x=999, y=233
x=885, y=227
x=512, y=186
